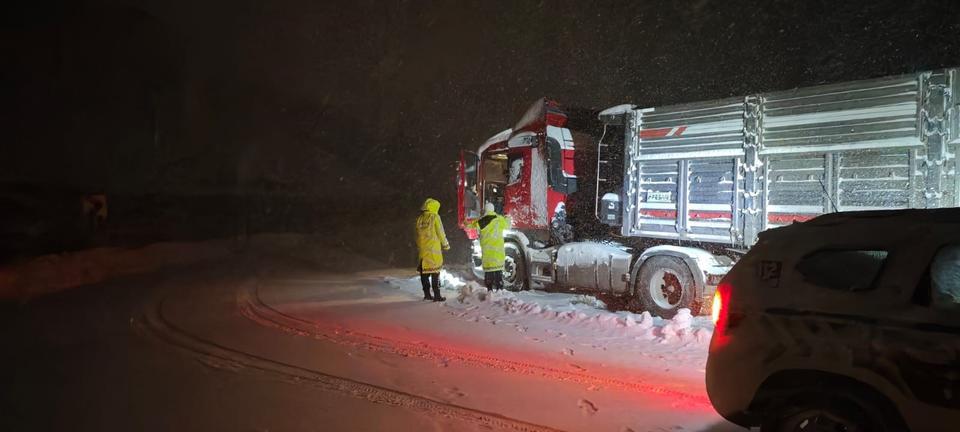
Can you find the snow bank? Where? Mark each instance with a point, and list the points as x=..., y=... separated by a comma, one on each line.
x=587, y=314
x=51, y=273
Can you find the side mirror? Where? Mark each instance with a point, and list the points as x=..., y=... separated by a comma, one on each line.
x=571, y=185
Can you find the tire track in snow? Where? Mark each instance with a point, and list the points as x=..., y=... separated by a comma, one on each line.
x=154, y=323
x=254, y=308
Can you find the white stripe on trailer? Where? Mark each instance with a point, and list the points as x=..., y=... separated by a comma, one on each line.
x=903, y=109
x=710, y=224
x=858, y=145
x=648, y=221
x=692, y=206
x=794, y=209
x=693, y=154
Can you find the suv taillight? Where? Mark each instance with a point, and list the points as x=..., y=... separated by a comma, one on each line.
x=717, y=306
x=721, y=316
x=721, y=304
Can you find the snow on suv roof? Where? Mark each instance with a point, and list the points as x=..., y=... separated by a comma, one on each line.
x=942, y=215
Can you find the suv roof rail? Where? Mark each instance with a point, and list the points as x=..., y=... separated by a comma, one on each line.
x=941, y=215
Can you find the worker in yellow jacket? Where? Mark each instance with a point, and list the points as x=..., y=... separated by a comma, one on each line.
x=491, y=227
x=430, y=240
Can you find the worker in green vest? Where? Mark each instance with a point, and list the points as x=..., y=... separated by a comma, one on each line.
x=491, y=227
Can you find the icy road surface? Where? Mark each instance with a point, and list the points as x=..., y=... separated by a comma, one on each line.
x=263, y=345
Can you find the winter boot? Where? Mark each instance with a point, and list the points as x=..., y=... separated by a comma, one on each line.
x=425, y=282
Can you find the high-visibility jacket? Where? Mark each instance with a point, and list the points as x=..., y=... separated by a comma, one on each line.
x=431, y=241
x=491, y=227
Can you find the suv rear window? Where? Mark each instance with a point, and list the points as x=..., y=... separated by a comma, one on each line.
x=945, y=276
x=842, y=270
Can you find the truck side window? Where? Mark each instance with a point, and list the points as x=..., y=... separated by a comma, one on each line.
x=515, y=165
x=945, y=277
x=843, y=270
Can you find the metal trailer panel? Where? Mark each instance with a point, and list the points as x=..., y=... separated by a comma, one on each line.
x=712, y=190
x=798, y=188
x=859, y=115
x=722, y=171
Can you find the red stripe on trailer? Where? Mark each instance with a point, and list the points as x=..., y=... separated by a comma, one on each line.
x=662, y=132
x=659, y=214
x=786, y=218
x=701, y=215
x=654, y=133
x=777, y=218
x=694, y=215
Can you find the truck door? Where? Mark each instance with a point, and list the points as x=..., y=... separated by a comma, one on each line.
x=467, y=194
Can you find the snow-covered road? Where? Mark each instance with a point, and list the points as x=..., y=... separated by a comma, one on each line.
x=269, y=345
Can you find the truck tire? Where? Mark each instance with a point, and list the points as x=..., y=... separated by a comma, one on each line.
x=664, y=285
x=515, y=268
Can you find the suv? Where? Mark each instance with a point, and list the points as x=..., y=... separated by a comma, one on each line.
x=847, y=322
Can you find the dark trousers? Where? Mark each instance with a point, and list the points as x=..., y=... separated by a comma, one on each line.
x=430, y=280
x=493, y=280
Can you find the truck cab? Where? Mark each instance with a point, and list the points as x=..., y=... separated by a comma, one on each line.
x=527, y=173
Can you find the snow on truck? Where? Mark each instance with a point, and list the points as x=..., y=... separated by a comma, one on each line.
x=691, y=186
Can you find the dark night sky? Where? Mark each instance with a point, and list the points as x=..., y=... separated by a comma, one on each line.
x=370, y=100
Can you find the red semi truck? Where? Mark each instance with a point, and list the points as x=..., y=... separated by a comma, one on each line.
x=687, y=187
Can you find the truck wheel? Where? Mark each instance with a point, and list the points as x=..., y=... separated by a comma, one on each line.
x=665, y=285
x=514, y=268
x=813, y=412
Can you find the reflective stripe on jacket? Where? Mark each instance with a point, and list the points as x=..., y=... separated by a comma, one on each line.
x=430, y=237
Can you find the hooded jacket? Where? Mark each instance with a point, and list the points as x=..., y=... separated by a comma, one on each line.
x=431, y=240
x=491, y=227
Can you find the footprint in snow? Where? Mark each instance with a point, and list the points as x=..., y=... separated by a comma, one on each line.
x=587, y=407
x=568, y=352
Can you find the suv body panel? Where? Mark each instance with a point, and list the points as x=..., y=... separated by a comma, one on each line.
x=881, y=336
